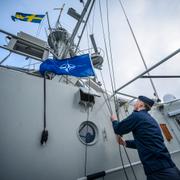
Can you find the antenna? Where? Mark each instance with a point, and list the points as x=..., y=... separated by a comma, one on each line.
x=50, y=29
x=93, y=43
x=61, y=10
x=70, y=42
x=97, y=59
x=72, y=12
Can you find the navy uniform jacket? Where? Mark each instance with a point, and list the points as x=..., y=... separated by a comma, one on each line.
x=148, y=140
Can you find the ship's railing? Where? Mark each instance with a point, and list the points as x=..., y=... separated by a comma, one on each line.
x=113, y=170
x=146, y=71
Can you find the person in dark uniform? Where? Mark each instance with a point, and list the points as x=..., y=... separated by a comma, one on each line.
x=148, y=141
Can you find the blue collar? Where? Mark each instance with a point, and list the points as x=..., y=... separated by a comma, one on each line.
x=141, y=110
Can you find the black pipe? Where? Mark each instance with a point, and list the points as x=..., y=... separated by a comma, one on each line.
x=96, y=175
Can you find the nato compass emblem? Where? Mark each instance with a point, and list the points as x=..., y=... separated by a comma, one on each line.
x=67, y=67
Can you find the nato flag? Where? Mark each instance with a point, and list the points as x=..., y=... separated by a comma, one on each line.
x=79, y=66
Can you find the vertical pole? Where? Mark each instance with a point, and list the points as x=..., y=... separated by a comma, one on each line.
x=47, y=15
x=76, y=28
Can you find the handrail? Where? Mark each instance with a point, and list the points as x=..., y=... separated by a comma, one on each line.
x=110, y=171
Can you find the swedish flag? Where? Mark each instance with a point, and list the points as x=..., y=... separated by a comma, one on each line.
x=28, y=17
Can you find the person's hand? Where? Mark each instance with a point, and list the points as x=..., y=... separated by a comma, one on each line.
x=113, y=118
x=120, y=141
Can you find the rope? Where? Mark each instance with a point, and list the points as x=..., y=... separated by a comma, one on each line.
x=122, y=161
x=4, y=59
x=120, y=153
x=86, y=147
x=85, y=166
x=114, y=86
x=44, y=102
x=29, y=65
x=127, y=154
x=37, y=34
x=130, y=162
x=112, y=82
x=44, y=135
x=40, y=27
x=87, y=33
x=94, y=9
x=110, y=110
x=106, y=50
x=109, y=40
x=107, y=101
x=139, y=50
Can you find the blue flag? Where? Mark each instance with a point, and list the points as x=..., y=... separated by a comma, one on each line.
x=35, y=18
x=79, y=66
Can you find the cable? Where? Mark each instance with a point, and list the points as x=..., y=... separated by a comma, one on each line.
x=112, y=85
x=44, y=135
x=44, y=102
x=110, y=110
x=128, y=157
x=120, y=153
x=139, y=50
x=109, y=40
x=4, y=59
x=93, y=18
x=87, y=33
x=115, y=98
x=40, y=27
x=130, y=162
x=106, y=100
x=112, y=82
x=106, y=50
x=86, y=148
x=85, y=166
x=122, y=161
x=29, y=65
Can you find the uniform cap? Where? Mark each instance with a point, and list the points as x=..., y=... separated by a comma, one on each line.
x=146, y=100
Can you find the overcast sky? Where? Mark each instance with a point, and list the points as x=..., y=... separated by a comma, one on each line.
x=156, y=24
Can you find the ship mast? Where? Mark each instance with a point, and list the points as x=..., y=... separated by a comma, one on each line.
x=59, y=39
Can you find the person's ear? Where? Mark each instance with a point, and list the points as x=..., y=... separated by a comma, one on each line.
x=141, y=104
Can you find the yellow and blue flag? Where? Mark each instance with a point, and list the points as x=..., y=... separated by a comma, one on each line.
x=78, y=66
x=28, y=17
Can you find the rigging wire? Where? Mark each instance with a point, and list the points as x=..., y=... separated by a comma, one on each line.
x=139, y=50
x=130, y=162
x=107, y=101
x=126, y=150
x=44, y=135
x=129, y=158
x=4, y=59
x=122, y=161
x=105, y=44
x=87, y=32
x=94, y=9
x=120, y=152
x=37, y=34
x=109, y=40
x=87, y=120
x=114, y=84
x=40, y=27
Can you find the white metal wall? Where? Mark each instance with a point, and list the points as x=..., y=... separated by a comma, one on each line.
x=63, y=157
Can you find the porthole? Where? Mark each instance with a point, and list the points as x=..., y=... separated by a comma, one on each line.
x=88, y=133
